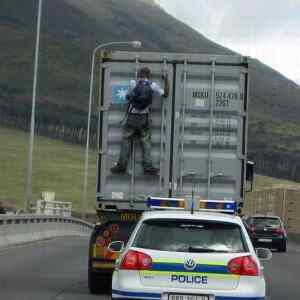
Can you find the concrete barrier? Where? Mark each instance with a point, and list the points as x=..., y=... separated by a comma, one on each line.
x=20, y=229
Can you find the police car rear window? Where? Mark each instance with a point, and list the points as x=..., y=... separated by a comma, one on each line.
x=190, y=236
x=265, y=222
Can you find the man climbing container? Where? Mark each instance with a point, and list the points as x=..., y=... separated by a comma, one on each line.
x=137, y=124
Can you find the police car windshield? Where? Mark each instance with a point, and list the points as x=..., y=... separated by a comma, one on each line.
x=190, y=236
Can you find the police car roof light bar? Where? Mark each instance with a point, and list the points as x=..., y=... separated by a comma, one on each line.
x=165, y=203
x=224, y=206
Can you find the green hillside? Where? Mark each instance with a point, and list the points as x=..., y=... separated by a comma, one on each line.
x=265, y=182
x=72, y=28
x=57, y=167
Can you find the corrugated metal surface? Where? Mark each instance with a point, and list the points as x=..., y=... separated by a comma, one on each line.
x=134, y=185
x=198, y=133
x=209, y=128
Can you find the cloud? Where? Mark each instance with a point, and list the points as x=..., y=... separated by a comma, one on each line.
x=266, y=29
x=237, y=18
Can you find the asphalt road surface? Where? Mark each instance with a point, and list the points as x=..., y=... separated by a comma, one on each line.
x=57, y=270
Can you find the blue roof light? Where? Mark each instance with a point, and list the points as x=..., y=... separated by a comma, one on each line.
x=225, y=206
x=165, y=203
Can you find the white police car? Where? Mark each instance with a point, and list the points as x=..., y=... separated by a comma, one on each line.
x=182, y=255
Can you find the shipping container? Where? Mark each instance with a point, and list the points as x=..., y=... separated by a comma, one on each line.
x=199, y=133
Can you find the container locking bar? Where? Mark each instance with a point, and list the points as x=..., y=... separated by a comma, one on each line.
x=162, y=131
x=211, y=122
x=133, y=148
x=183, y=109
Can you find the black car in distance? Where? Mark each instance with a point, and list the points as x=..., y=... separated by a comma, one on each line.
x=267, y=231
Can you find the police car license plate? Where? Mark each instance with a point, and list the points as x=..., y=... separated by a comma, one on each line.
x=265, y=240
x=187, y=297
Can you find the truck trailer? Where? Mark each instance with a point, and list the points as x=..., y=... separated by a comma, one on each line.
x=199, y=142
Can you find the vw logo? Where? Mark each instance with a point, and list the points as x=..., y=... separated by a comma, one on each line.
x=189, y=264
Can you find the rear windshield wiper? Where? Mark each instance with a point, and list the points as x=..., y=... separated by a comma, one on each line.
x=205, y=250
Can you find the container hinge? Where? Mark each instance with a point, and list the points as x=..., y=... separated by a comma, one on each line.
x=185, y=66
x=104, y=66
x=101, y=152
x=106, y=54
x=103, y=108
x=101, y=65
x=213, y=63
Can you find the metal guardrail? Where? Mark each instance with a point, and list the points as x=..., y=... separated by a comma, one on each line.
x=19, y=229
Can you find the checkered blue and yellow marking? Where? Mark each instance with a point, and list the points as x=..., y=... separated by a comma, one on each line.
x=216, y=270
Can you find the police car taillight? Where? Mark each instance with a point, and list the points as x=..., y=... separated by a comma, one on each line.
x=244, y=265
x=135, y=260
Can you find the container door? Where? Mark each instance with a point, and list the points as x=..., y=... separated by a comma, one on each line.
x=209, y=134
x=130, y=190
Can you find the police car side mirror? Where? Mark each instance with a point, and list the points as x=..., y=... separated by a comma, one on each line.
x=264, y=254
x=116, y=246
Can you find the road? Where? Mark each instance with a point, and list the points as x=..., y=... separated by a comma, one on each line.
x=282, y=274
x=57, y=270
x=49, y=270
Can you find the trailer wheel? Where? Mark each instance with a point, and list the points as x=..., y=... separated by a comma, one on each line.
x=99, y=283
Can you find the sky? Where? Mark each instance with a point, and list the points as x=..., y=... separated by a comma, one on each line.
x=265, y=29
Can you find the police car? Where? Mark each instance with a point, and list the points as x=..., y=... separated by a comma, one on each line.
x=189, y=255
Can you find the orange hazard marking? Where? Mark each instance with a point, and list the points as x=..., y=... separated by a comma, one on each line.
x=106, y=233
x=99, y=251
x=111, y=255
x=103, y=252
x=100, y=241
x=107, y=242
